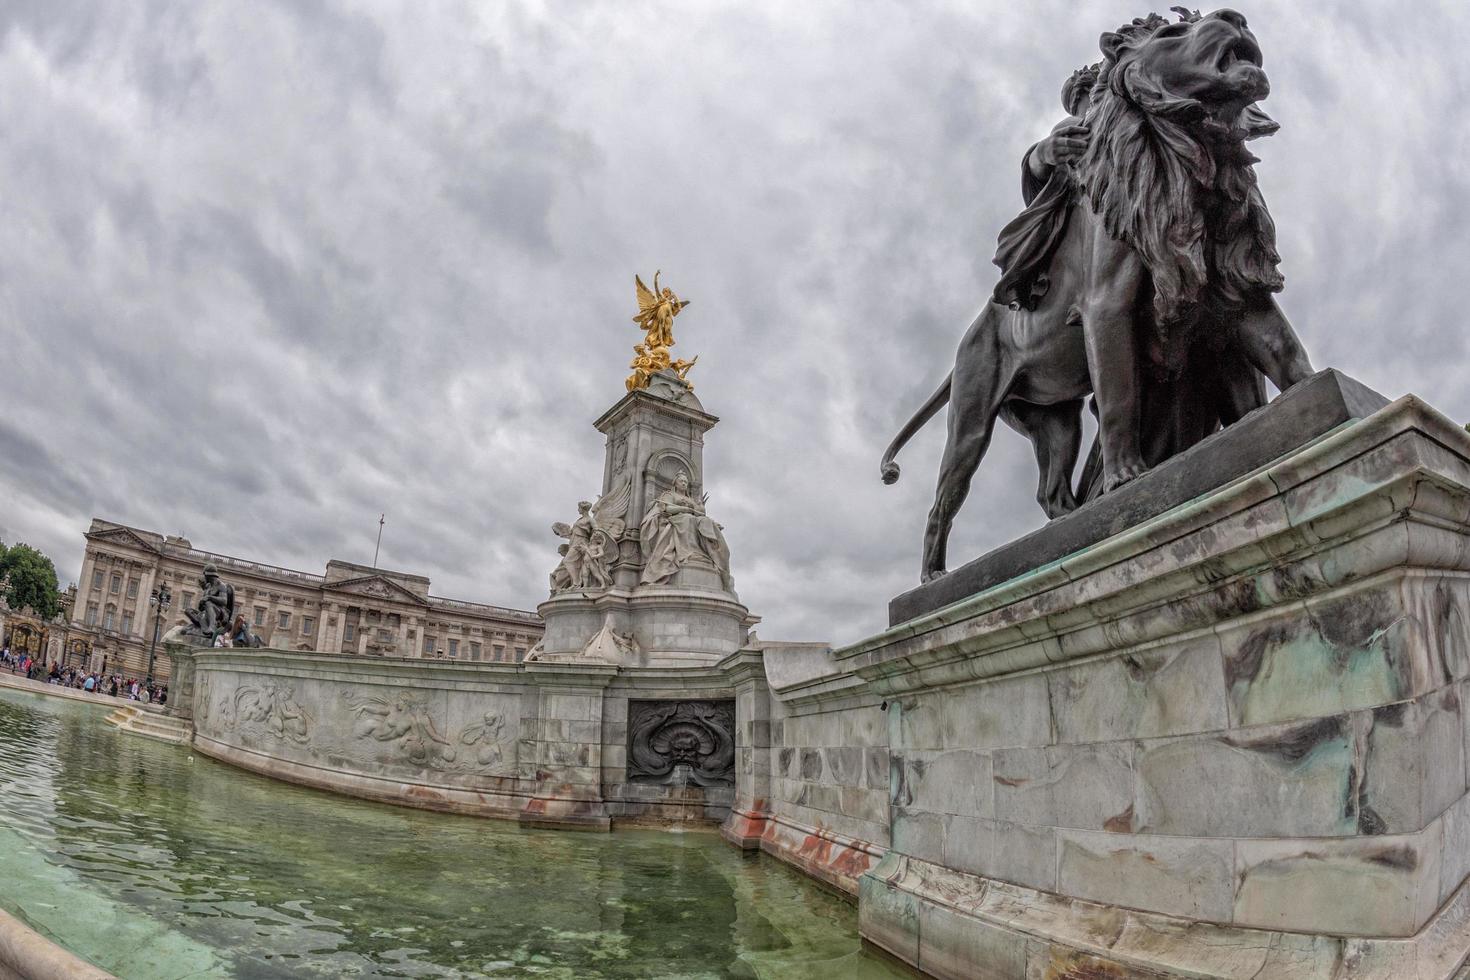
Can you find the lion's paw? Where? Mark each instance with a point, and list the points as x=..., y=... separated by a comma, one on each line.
x=1124, y=474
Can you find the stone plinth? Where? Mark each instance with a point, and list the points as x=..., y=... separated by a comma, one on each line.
x=1231, y=741
x=650, y=439
x=668, y=627
x=181, y=678
x=654, y=438
x=1308, y=411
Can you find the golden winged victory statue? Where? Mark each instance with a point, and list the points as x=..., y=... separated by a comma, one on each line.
x=657, y=308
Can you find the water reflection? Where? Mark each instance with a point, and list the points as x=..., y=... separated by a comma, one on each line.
x=143, y=856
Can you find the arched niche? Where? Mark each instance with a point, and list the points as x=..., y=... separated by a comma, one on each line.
x=659, y=474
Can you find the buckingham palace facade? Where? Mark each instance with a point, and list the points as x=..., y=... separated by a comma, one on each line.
x=351, y=609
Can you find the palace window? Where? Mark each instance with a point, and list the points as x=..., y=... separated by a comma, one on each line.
x=474, y=650
x=97, y=580
x=454, y=648
x=285, y=621
x=349, y=633
x=308, y=625
x=384, y=636
x=260, y=615
x=116, y=586
x=132, y=588
x=428, y=644
x=108, y=617
x=92, y=611
x=127, y=622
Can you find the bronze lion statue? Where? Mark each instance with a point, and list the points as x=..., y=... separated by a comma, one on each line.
x=1142, y=275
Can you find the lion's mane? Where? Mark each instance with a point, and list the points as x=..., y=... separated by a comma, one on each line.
x=1179, y=188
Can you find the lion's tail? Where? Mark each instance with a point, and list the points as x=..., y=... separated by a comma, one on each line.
x=923, y=415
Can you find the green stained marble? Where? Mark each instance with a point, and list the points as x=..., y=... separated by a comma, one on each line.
x=152, y=861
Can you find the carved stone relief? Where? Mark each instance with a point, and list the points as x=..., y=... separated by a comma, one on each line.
x=269, y=709
x=620, y=455
x=403, y=721
x=677, y=741
x=494, y=748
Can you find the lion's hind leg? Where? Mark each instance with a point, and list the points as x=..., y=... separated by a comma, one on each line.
x=1055, y=432
x=981, y=383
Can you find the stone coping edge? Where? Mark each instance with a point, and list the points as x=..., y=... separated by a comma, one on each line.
x=1407, y=414
x=25, y=954
x=1284, y=426
x=1168, y=946
x=72, y=694
x=421, y=796
x=741, y=665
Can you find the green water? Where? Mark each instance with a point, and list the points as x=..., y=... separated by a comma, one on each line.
x=152, y=861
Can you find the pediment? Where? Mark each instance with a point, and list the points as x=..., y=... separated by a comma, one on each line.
x=122, y=535
x=377, y=587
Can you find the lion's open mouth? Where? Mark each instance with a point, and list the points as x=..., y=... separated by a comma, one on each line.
x=1241, y=49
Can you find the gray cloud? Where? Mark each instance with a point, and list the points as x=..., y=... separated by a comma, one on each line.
x=267, y=271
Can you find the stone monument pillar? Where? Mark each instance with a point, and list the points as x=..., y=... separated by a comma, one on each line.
x=645, y=578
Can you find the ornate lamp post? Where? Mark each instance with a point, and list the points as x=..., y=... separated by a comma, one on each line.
x=159, y=599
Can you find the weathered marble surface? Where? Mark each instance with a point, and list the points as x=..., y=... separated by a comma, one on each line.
x=544, y=744
x=1233, y=735
x=684, y=612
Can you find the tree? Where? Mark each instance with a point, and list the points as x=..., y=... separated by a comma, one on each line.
x=32, y=580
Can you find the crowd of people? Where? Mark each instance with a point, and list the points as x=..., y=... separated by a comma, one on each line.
x=113, y=685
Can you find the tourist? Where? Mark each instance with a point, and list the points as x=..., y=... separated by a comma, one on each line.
x=240, y=632
x=90, y=684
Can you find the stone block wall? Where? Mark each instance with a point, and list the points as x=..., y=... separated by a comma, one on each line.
x=829, y=778
x=435, y=735
x=542, y=743
x=1138, y=781
x=1241, y=722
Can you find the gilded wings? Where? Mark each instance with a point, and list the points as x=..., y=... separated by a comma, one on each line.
x=657, y=308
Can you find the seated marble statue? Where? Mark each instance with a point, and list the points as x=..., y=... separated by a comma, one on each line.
x=211, y=614
x=676, y=533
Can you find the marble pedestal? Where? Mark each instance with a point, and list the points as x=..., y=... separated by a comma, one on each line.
x=1229, y=742
x=691, y=619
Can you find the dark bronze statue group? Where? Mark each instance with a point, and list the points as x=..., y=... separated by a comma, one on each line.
x=1141, y=272
x=214, y=616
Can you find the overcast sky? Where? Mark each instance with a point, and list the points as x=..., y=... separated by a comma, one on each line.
x=270, y=269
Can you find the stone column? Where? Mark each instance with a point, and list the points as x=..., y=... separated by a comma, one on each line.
x=332, y=637
x=565, y=740
x=751, y=809
x=181, y=679
x=403, y=648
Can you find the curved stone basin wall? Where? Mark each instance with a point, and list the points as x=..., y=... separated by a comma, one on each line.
x=545, y=744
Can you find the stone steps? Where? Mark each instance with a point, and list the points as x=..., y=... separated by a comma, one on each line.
x=152, y=724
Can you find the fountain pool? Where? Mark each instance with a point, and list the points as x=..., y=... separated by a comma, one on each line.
x=152, y=861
